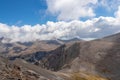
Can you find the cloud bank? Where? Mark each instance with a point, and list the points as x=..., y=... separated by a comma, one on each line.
x=93, y=28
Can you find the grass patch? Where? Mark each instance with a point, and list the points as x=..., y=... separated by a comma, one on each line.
x=78, y=76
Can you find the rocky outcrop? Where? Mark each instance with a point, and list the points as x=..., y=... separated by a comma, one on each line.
x=61, y=56
x=21, y=70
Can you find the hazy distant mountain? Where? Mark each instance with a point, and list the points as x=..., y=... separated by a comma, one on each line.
x=23, y=48
x=70, y=40
x=19, y=48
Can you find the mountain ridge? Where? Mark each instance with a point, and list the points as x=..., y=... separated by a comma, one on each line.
x=97, y=57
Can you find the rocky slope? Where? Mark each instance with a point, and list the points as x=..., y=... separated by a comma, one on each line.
x=95, y=57
x=98, y=57
x=21, y=70
x=101, y=57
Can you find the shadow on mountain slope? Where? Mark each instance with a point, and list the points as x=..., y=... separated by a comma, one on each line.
x=61, y=56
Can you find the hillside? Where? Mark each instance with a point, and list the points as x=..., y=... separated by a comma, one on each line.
x=21, y=70
x=99, y=57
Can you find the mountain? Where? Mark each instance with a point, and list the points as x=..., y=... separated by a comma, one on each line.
x=19, y=48
x=70, y=40
x=92, y=60
x=100, y=57
x=21, y=70
x=22, y=48
x=97, y=57
x=39, y=55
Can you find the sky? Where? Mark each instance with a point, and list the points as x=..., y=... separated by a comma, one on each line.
x=29, y=20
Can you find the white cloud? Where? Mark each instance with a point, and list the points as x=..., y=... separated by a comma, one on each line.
x=117, y=14
x=93, y=28
x=71, y=9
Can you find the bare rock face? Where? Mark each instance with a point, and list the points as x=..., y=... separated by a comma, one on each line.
x=59, y=57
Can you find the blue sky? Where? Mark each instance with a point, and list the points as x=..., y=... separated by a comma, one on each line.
x=23, y=12
x=20, y=12
x=30, y=20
